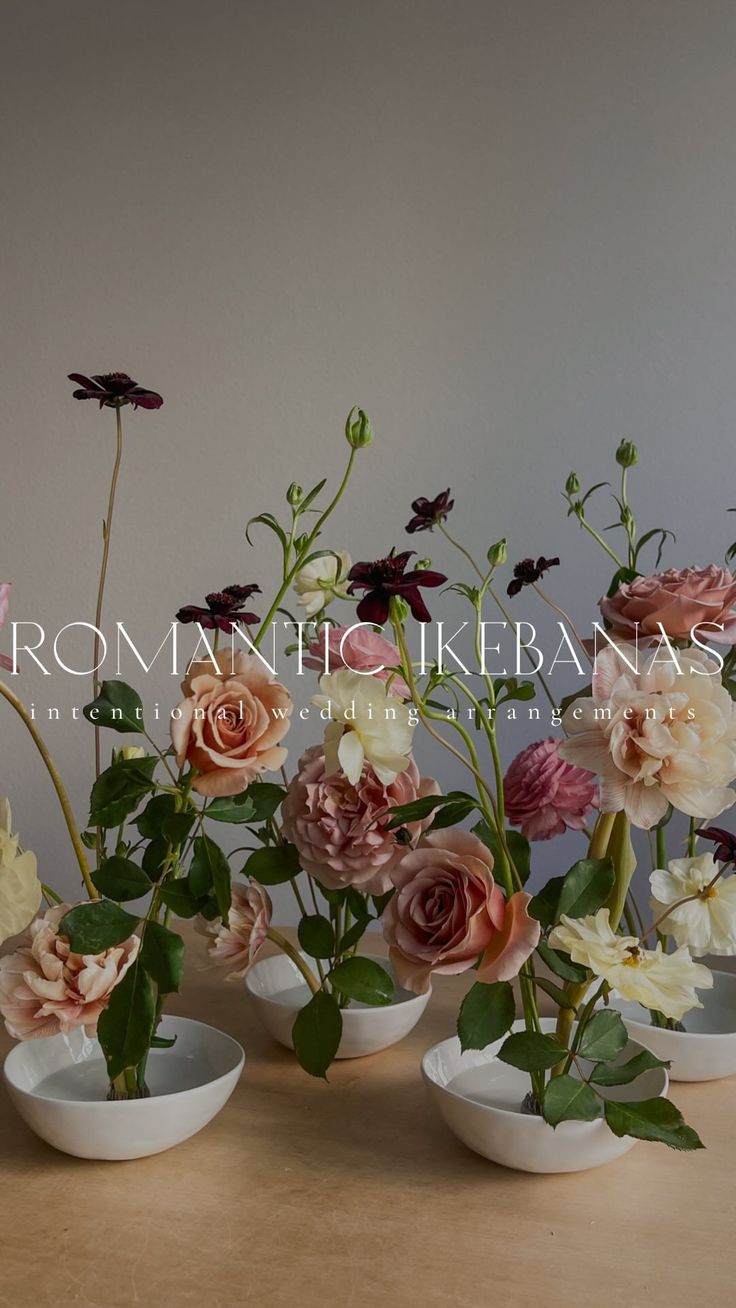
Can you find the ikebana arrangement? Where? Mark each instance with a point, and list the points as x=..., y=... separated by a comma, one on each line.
x=362, y=839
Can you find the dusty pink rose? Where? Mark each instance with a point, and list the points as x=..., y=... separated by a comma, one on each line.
x=45, y=988
x=361, y=649
x=230, y=723
x=340, y=829
x=4, y=602
x=237, y=944
x=447, y=911
x=544, y=795
x=679, y=599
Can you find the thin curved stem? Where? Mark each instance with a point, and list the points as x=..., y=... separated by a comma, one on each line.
x=58, y=784
x=106, y=532
x=287, y=948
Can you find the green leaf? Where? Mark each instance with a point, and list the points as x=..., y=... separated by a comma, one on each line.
x=419, y=809
x=210, y=868
x=161, y=1042
x=450, y=815
x=126, y=1026
x=268, y=520
x=274, y=865
x=623, y=1073
x=560, y=964
x=150, y=822
x=518, y=847
x=312, y=495
x=155, y=857
x=568, y=1099
x=316, y=1033
x=586, y=887
x=96, y=926
x=351, y=937
x=266, y=797
x=603, y=1037
x=544, y=904
x=560, y=996
x=364, y=980
x=119, y=789
x=162, y=952
x=316, y=936
x=381, y=901
x=652, y=1119
x=531, y=1052
x=176, y=827
x=117, y=706
x=178, y=896
x=231, y=808
x=121, y=879
x=486, y=1014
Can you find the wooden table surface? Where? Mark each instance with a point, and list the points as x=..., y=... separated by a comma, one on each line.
x=355, y=1193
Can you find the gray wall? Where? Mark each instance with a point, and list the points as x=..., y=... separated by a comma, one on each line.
x=506, y=229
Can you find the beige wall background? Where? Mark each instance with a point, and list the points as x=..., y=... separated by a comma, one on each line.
x=505, y=229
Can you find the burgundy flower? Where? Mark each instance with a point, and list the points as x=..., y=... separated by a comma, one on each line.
x=224, y=609
x=387, y=577
x=113, y=389
x=430, y=513
x=527, y=572
x=725, y=850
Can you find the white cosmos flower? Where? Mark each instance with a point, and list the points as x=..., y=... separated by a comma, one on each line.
x=322, y=580
x=20, y=888
x=707, y=925
x=665, y=982
x=368, y=725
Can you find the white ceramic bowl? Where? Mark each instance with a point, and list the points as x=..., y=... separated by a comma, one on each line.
x=278, y=991
x=706, y=1049
x=479, y=1097
x=59, y=1086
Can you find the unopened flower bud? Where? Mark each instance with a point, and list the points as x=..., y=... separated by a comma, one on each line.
x=358, y=429
x=498, y=553
x=572, y=485
x=129, y=752
x=399, y=609
x=627, y=455
x=294, y=495
x=423, y=563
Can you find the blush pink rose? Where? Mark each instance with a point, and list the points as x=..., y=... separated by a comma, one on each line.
x=679, y=599
x=341, y=830
x=544, y=795
x=230, y=723
x=237, y=944
x=4, y=604
x=447, y=911
x=45, y=988
x=361, y=649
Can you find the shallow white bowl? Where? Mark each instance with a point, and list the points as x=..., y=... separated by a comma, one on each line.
x=59, y=1086
x=479, y=1097
x=706, y=1049
x=278, y=991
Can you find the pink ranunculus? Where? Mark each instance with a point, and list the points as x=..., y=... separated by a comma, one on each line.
x=45, y=988
x=341, y=830
x=544, y=795
x=678, y=600
x=230, y=723
x=4, y=603
x=237, y=944
x=447, y=911
x=361, y=649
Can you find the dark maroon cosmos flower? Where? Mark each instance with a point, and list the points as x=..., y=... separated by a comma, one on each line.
x=113, y=389
x=430, y=513
x=224, y=609
x=725, y=850
x=387, y=577
x=527, y=572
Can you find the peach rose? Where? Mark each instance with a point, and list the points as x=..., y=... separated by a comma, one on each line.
x=45, y=988
x=679, y=600
x=340, y=829
x=237, y=944
x=447, y=911
x=230, y=723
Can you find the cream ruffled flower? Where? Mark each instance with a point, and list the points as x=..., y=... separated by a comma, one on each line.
x=655, y=738
x=665, y=982
x=707, y=924
x=20, y=888
x=368, y=725
x=322, y=580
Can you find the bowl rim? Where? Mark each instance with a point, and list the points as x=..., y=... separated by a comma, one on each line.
x=128, y=1105
x=424, y=997
x=678, y=1036
x=495, y=1109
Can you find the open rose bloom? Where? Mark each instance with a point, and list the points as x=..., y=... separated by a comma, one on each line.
x=236, y=945
x=544, y=795
x=674, y=602
x=45, y=988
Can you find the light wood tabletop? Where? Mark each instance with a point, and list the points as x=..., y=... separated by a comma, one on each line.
x=355, y=1193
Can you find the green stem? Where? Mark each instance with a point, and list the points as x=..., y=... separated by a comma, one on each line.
x=287, y=948
x=106, y=532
